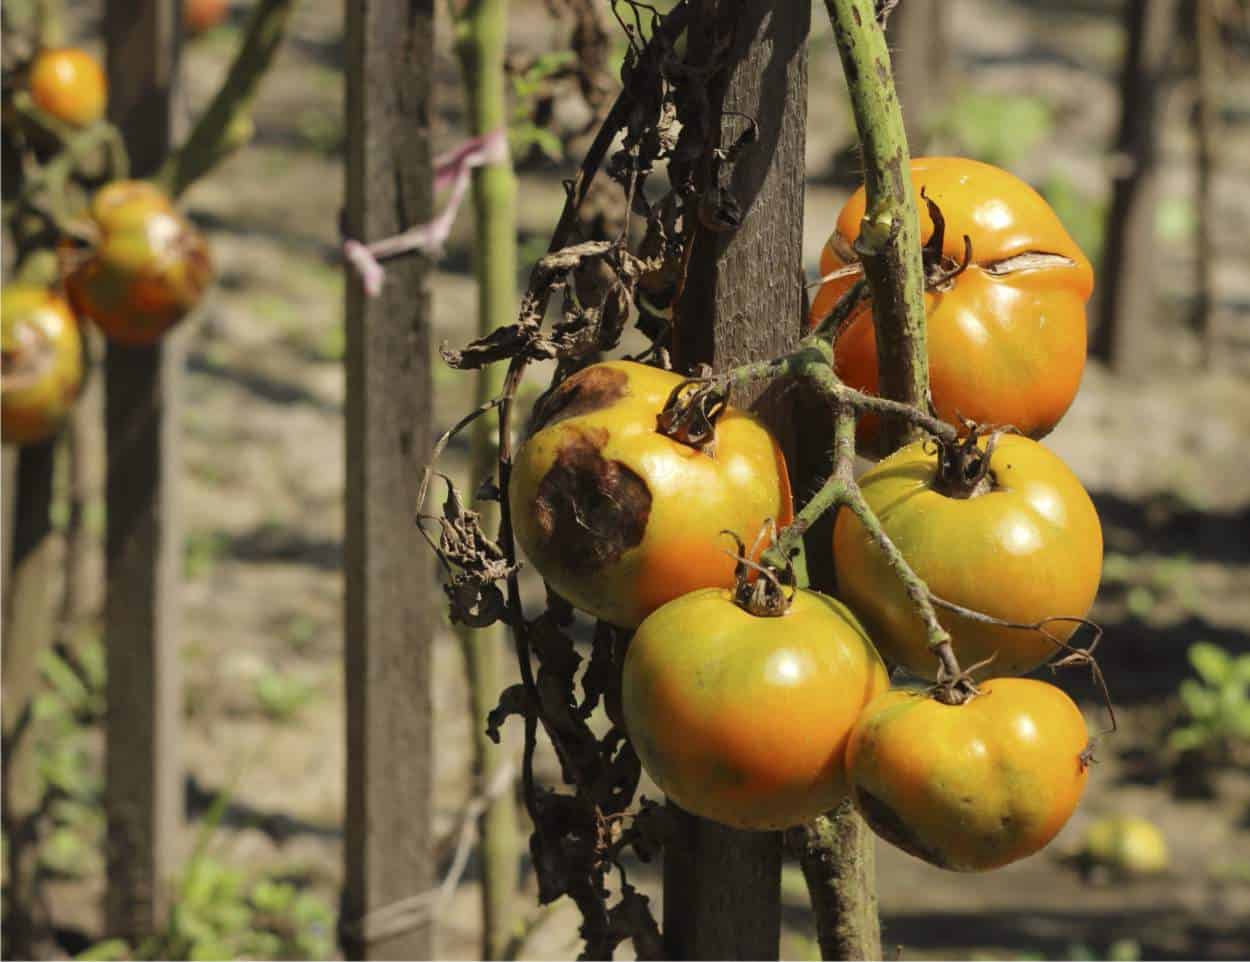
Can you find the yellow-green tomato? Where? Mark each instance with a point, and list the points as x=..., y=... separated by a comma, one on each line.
x=41, y=355
x=1027, y=548
x=745, y=719
x=1126, y=844
x=620, y=518
x=149, y=267
x=974, y=786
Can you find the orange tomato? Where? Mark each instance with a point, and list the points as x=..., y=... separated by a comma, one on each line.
x=42, y=363
x=1028, y=548
x=969, y=787
x=148, y=269
x=745, y=719
x=1006, y=339
x=620, y=518
x=68, y=84
x=201, y=15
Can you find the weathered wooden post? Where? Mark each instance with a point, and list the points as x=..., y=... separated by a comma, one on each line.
x=743, y=300
x=28, y=624
x=143, y=542
x=1130, y=262
x=389, y=615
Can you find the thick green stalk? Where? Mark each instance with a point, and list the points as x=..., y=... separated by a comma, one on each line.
x=889, y=238
x=481, y=33
x=227, y=123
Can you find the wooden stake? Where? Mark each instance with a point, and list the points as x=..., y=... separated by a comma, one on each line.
x=390, y=614
x=143, y=793
x=743, y=301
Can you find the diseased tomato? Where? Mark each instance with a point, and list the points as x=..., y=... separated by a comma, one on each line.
x=1026, y=545
x=202, y=15
x=974, y=786
x=68, y=84
x=1006, y=337
x=148, y=269
x=620, y=518
x=41, y=360
x=745, y=719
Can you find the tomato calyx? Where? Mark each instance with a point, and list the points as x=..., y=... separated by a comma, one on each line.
x=759, y=589
x=963, y=469
x=940, y=271
x=690, y=414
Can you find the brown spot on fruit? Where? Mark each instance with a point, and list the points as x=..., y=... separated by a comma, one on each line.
x=890, y=826
x=590, y=510
x=590, y=389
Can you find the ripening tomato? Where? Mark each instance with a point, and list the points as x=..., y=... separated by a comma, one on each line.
x=743, y=718
x=148, y=269
x=974, y=786
x=620, y=518
x=202, y=15
x=42, y=363
x=1024, y=546
x=1006, y=338
x=68, y=84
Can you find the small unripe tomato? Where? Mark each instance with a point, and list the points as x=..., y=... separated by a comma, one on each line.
x=1006, y=337
x=974, y=786
x=744, y=719
x=42, y=363
x=148, y=269
x=1026, y=546
x=1126, y=844
x=620, y=518
x=68, y=84
x=202, y=15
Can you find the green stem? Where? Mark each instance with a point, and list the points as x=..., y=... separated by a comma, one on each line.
x=227, y=123
x=889, y=237
x=481, y=34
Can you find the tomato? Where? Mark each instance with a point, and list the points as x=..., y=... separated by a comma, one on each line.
x=148, y=269
x=974, y=786
x=201, y=15
x=42, y=360
x=745, y=719
x=1006, y=339
x=68, y=84
x=1027, y=547
x=1125, y=844
x=620, y=518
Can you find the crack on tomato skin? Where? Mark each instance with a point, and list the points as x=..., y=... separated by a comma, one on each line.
x=590, y=389
x=590, y=510
x=887, y=823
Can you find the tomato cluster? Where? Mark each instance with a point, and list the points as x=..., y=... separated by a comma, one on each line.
x=142, y=270
x=761, y=705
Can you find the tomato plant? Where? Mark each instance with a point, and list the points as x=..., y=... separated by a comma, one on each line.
x=1005, y=334
x=620, y=517
x=147, y=269
x=974, y=786
x=1021, y=543
x=744, y=717
x=42, y=362
x=67, y=83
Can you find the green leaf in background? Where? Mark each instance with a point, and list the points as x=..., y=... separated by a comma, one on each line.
x=1211, y=662
x=997, y=128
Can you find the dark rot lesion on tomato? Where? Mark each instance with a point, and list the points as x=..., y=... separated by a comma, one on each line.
x=25, y=361
x=887, y=823
x=590, y=509
x=590, y=389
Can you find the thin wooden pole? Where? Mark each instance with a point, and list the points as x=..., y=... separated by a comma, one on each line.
x=1130, y=263
x=389, y=611
x=143, y=792
x=1207, y=56
x=481, y=41
x=743, y=301
x=28, y=624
